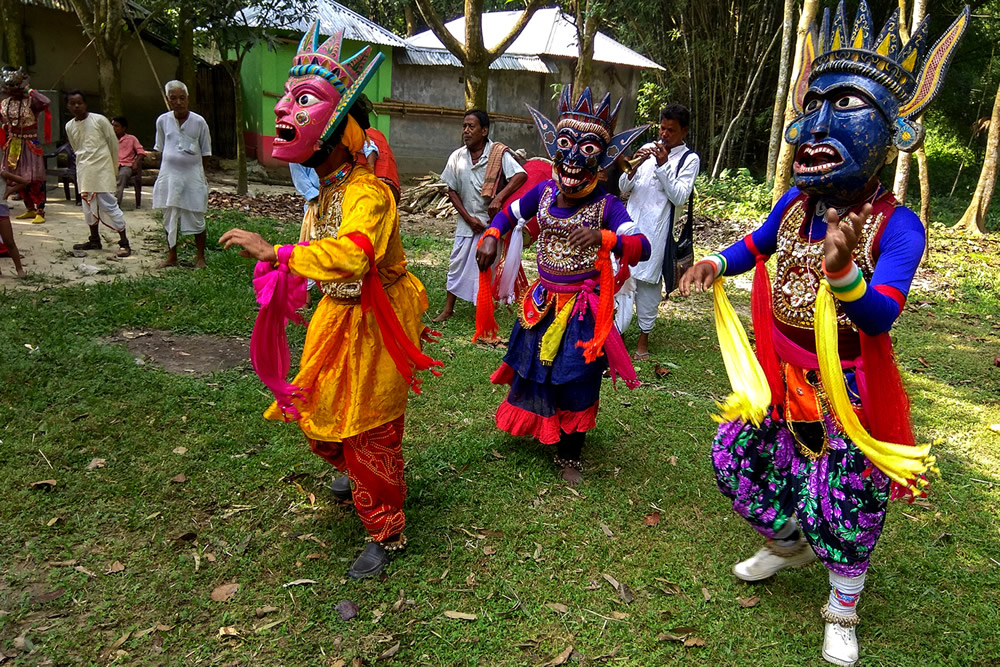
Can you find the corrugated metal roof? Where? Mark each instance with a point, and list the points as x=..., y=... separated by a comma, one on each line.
x=507, y=62
x=334, y=17
x=548, y=33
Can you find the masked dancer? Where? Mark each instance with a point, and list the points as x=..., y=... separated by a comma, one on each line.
x=362, y=348
x=819, y=438
x=565, y=336
x=20, y=112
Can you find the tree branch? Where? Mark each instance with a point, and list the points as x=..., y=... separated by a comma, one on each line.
x=499, y=49
x=437, y=26
x=86, y=17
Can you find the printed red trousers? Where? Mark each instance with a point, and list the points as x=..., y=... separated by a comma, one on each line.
x=374, y=462
x=34, y=196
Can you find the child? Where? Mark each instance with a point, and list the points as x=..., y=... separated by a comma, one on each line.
x=14, y=184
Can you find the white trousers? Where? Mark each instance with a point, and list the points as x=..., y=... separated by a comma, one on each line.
x=102, y=207
x=181, y=220
x=647, y=304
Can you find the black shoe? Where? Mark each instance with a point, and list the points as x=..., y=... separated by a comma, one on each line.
x=89, y=245
x=341, y=489
x=370, y=563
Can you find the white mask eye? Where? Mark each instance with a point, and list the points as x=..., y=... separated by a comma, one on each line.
x=813, y=105
x=850, y=102
x=590, y=149
x=564, y=143
x=305, y=100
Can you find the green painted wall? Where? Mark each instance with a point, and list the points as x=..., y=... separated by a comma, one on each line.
x=265, y=72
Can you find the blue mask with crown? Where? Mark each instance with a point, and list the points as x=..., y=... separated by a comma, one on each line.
x=583, y=141
x=857, y=95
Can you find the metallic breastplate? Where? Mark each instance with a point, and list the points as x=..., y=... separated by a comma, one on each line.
x=18, y=116
x=326, y=226
x=800, y=266
x=555, y=255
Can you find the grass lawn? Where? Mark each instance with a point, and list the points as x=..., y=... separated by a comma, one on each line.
x=492, y=532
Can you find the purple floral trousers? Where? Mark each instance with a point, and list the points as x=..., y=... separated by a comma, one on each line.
x=838, y=498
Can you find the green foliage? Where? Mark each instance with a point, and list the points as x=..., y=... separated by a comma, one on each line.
x=734, y=195
x=652, y=97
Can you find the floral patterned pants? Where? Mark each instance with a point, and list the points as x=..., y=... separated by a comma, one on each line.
x=838, y=498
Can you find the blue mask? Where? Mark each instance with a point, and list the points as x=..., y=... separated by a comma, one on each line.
x=844, y=136
x=577, y=159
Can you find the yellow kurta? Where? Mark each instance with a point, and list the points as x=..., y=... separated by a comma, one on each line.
x=352, y=382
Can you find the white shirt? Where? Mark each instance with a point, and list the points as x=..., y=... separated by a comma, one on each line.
x=181, y=182
x=653, y=189
x=467, y=180
x=96, y=146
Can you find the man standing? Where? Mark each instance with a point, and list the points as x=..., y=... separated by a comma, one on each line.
x=96, y=147
x=660, y=187
x=181, y=189
x=130, y=154
x=467, y=179
x=22, y=153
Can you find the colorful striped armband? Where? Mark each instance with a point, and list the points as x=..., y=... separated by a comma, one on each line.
x=847, y=284
x=716, y=260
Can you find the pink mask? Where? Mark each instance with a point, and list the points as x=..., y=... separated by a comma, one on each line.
x=302, y=115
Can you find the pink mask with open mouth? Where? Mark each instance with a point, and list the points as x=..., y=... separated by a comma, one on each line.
x=302, y=115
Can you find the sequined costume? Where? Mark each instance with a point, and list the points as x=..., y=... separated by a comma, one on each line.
x=822, y=437
x=20, y=113
x=563, y=340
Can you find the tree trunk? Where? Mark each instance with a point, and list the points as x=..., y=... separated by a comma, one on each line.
x=109, y=82
x=786, y=155
x=974, y=220
x=235, y=69
x=410, y=17
x=925, y=199
x=12, y=12
x=901, y=181
x=781, y=95
x=477, y=84
x=587, y=20
x=186, y=68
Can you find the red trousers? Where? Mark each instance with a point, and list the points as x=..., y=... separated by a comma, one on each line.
x=34, y=196
x=374, y=462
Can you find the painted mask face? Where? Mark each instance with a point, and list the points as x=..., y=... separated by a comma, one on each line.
x=845, y=136
x=577, y=159
x=302, y=115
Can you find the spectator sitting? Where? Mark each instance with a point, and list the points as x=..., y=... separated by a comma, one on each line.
x=130, y=154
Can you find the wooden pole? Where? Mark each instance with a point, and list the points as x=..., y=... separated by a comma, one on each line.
x=150, y=61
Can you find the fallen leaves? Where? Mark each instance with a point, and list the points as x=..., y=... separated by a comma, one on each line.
x=558, y=607
x=180, y=451
x=389, y=652
x=44, y=484
x=624, y=592
x=228, y=631
x=606, y=530
x=115, y=567
x=282, y=207
x=684, y=635
x=225, y=592
x=81, y=569
x=299, y=582
x=652, y=519
x=706, y=594
x=562, y=658
x=62, y=563
x=268, y=626
x=347, y=609
x=48, y=597
x=261, y=612
x=489, y=551
x=749, y=602
x=460, y=615
x=53, y=521
x=178, y=479
x=96, y=463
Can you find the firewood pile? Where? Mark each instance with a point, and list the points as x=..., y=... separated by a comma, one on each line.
x=429, y=197
x=282, y=207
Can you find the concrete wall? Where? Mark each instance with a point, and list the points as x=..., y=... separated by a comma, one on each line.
x=58, y=38
x=423, y=144
x=264, y=76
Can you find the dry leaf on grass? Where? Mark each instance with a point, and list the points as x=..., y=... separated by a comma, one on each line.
x=121, y=640
x=209, y=556
x=44, y=484
x=225, y=592
x=315, y=556
x=62, y=563
x=706, y=594
x=53, y=521
x=178, y=479
x=607, y=531
x=180, y=450
x=96, y=463
x=619, y=615
x=228, y=631
x=116, y=567
x=261, y=612
x=611, y=580
x=653, y=519
x=268, y=626
x=557, y=606
x=691, y=642
x=389, y=652
x=497, y=455
x=299, y=582
x=347, y=609
x=489, y=551
x=751, y=601
x=83, y=570
x=460, y=615
x=562, y=657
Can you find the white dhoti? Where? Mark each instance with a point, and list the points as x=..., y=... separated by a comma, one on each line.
x=647, y=303
x=102, y=207
x=463, y=272
x=188, y=223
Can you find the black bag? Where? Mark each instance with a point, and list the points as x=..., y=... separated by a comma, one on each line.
x=678, y=255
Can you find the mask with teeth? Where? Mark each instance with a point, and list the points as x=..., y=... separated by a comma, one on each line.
x=583, y=142
x=318, y=94
x=858, y=95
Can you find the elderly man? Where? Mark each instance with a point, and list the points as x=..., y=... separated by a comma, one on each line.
x=130, y=154
x=96, y=147
x=660, y=187
x=181, y=190
x=473, y=175
x=22, y=152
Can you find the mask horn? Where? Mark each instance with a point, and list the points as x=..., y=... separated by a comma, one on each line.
x=805, y=69
x=935, y=67
x=546, y=130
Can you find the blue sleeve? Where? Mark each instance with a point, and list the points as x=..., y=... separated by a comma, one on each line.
x=900, y=250
x=306, y=180
x=527, y=206
x=616, y=215
x=739, y=257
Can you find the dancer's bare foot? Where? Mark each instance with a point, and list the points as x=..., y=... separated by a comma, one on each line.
x=572, y=476
x=167, y=263
x=21, y=273
x=443, y=316
x=200, y=263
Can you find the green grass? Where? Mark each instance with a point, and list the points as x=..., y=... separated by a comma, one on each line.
x=931, y=596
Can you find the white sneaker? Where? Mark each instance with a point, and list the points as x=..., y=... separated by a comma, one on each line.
x=840, y=643
x=773, y=558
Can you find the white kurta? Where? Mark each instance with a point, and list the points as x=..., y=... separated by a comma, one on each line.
x=653, y=189
x=467, y=178
x=181, y=182
x=96, y=146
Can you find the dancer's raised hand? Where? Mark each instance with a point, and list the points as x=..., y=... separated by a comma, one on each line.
x=842, y=236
